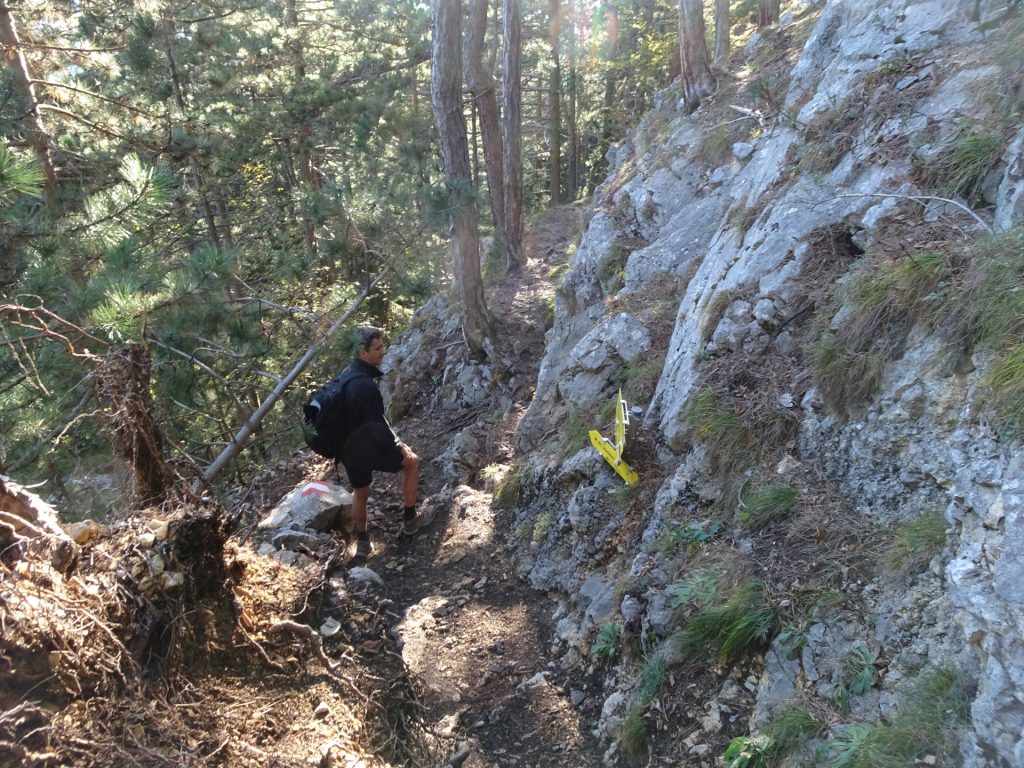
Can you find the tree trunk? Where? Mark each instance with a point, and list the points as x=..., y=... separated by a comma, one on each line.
x=693, y=53
x=446, y=95
x=481, y=86
x=35, y=131
x=303, y=140
x=570, y=117
x=512, y=154
x=767, y=13
x=554, y=116
x=721, y=32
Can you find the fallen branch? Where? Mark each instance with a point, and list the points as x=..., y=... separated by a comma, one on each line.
x=932, y=198
x=235, y=446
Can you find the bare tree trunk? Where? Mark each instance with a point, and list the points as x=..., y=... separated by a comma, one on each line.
x=554, y=116
x=570, y=117
x=767, y=13
x=446, y=95
x=307, y=172
x=512, y=155
x=36, y=134
x=481, y=86
x=721, y=32
x=693, y=53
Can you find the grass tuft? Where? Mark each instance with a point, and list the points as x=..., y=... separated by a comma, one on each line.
x=633, y=734
x=651, y=678
x=915, y=542
x=927, y=730
x=791, y=727
x=730, y=444
x=729, y=629
x=574, y=435
x=878, y=309
x=768, y=505
x=964, y=160
x=542, y=527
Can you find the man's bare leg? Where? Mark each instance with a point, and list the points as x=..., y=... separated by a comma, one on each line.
x=410, y=478
x=360, y=497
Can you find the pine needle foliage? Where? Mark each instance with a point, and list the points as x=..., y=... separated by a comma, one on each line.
x=18, y=176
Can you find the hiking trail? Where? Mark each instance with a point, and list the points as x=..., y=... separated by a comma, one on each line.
x=474, y=636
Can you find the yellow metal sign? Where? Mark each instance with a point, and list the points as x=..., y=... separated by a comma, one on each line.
x=612, y=452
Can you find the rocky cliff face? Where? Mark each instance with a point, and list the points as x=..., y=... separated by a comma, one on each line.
x=728, y=270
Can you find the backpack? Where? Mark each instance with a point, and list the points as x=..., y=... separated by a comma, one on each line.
x=325, y=418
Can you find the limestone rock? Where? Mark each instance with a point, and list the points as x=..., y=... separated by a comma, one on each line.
x=315, y=505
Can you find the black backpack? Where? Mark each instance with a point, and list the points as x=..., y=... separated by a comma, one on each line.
x=325, y=418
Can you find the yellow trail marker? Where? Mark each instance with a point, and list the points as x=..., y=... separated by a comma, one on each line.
x=612, y=452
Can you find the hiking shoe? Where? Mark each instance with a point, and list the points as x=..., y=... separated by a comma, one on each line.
x=423, y=518
x=363, y=549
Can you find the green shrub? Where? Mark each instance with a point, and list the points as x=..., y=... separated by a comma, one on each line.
x=768, y=505
x=607, y=645
x=859, y=666
x=749, y=752
x=691, y=534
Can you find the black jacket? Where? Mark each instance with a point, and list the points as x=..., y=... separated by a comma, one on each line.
x=364, y=409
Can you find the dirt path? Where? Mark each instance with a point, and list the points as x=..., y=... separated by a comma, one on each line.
x=474, y=635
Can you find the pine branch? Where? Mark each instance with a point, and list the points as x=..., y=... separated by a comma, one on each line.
x=41, y=47
x=105, y=130
x=107, y=99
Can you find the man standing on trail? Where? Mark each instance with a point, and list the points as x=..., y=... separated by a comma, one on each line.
x=372, y=445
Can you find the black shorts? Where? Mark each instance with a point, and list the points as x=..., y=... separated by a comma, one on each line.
x=362, y=460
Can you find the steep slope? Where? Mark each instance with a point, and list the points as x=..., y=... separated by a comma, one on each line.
x=817, y=269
